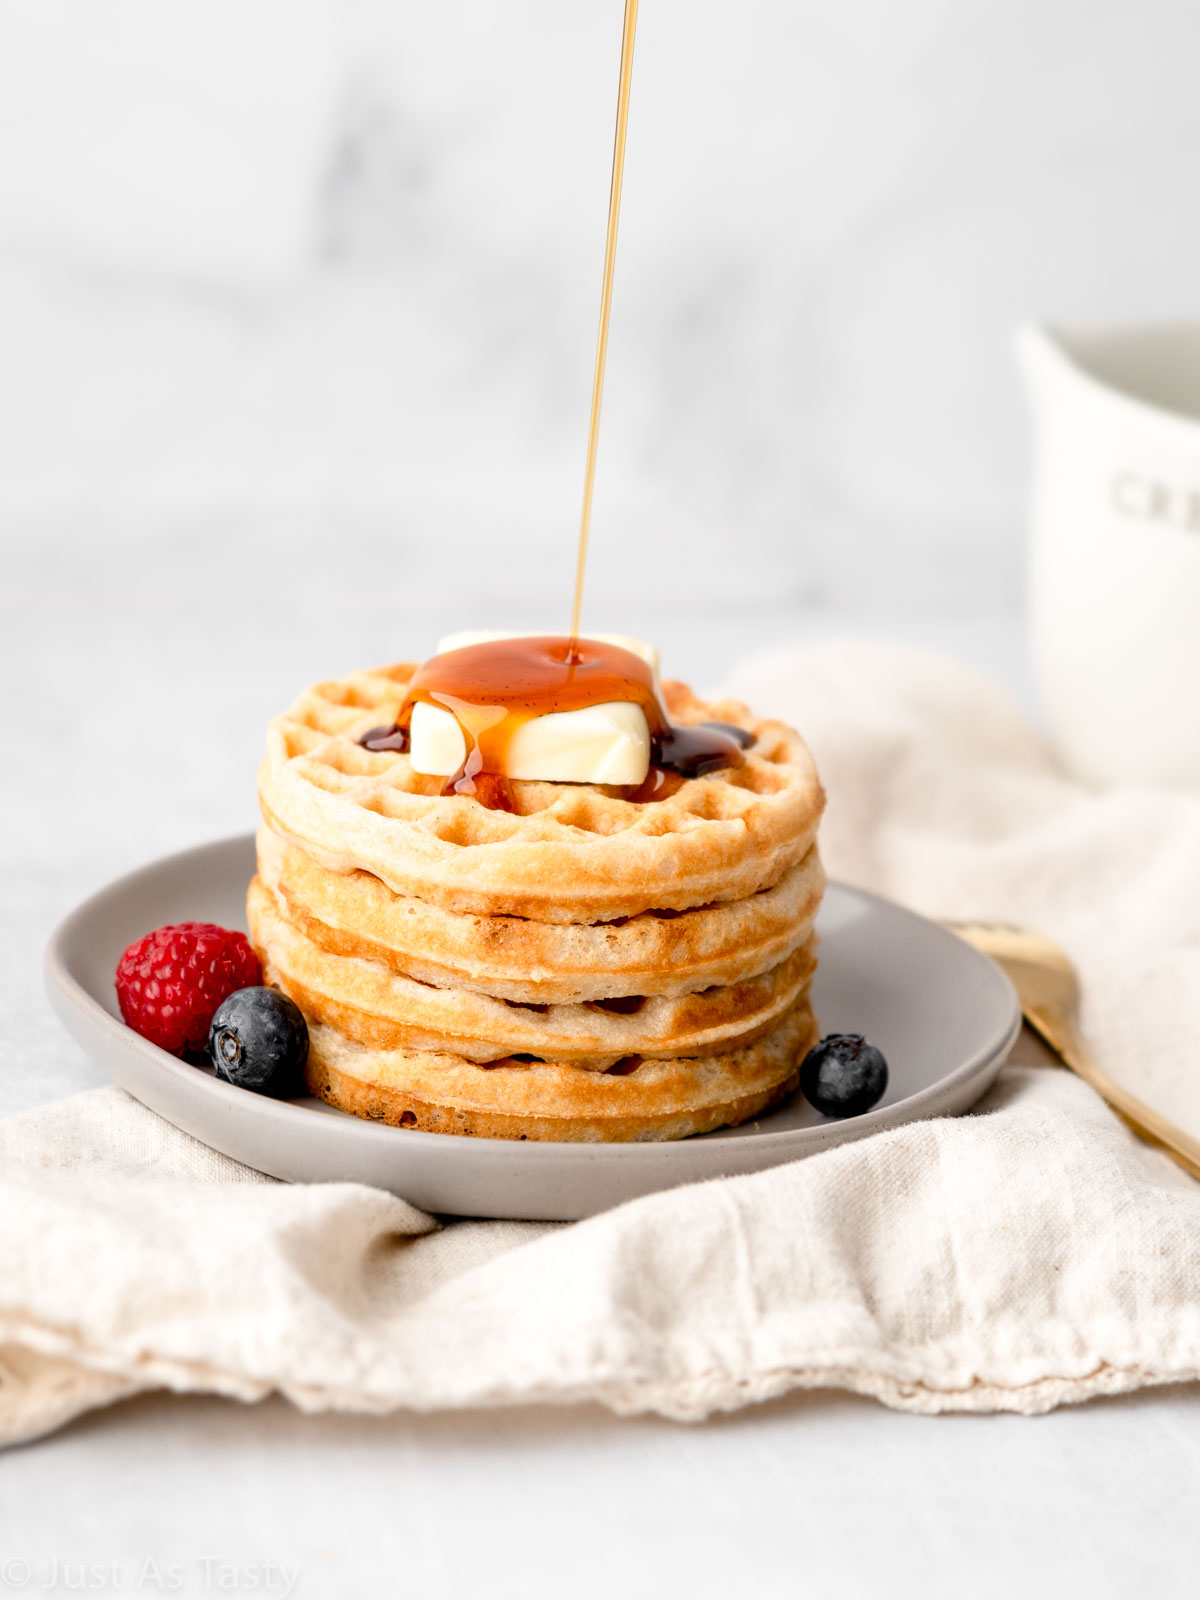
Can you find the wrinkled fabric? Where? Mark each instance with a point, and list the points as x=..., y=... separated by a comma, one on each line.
x=1026, y=1255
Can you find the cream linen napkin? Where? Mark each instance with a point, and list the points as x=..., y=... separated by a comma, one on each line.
x=1030, y=1254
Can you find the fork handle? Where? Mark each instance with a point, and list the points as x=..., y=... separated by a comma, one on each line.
x=1064, y=1039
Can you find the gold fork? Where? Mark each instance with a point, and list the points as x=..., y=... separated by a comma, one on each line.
x=1048, y=990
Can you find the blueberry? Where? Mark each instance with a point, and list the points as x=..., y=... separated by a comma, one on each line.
x=843, y=1076
x=259, y=1040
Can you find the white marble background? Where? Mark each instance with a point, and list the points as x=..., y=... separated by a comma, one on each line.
x=324, y=273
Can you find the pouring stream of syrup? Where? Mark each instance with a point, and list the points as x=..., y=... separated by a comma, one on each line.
x=610, y=259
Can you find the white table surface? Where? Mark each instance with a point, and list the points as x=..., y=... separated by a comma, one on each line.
x=141, y=679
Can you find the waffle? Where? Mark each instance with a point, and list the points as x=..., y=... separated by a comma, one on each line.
x=513, y=958
x=583, y=968
x=671, y=1099
x=384, y=1009
x=572, y=853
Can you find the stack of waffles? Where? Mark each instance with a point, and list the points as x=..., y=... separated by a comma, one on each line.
x=584, y=968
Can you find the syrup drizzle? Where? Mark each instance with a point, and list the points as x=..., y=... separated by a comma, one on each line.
x=610, y=259
x=493, y=689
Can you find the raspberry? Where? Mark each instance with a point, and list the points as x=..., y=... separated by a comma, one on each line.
x=170, y=982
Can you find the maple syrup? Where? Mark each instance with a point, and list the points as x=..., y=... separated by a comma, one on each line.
x=610, y=260
x=493, y=689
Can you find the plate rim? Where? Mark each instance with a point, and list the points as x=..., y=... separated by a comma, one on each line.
x=66, y=993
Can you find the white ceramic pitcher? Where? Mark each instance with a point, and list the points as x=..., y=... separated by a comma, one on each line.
x=1116, y=547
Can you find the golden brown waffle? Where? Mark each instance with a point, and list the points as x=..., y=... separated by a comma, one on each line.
x=670, y=1099
x=587, y=968
x=576, y=853
x=513, y=958
x=378, y=1007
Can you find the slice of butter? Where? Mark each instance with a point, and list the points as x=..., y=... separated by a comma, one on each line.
x=608, y=743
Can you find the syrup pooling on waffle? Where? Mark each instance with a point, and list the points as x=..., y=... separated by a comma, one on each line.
x=497, y=689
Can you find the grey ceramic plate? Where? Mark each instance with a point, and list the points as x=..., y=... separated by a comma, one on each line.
x=944, y=1016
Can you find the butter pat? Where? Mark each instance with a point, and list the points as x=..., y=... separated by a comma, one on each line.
x=608, y=743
